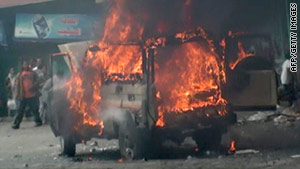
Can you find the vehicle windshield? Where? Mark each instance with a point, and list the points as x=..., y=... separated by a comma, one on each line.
x=120, y=62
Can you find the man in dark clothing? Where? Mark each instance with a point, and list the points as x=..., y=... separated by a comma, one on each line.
x=27, y=84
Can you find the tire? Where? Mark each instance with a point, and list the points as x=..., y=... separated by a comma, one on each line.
x=209, y=140
x=133, y=142
x=68, y=147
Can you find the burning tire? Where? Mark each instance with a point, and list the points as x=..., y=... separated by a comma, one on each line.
x=68, y=147
x=133, y=141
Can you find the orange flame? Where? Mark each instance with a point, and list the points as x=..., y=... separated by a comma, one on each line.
x=193, y=73
x=232, y=148
x=121, y=25
x=160, y=121
x=80, y=104
x=241, y=55
x=111, y=62
x=196, y=74
x=119, y=60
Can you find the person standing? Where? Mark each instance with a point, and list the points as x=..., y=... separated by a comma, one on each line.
x=50, y=85
x=287, y=78
x=27, y=84
x=40, y=70
x=11, y=91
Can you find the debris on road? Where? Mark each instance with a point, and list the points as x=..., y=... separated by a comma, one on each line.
x=26, y=165
x=94, y=143
x=290, y=111
x=261, y=116
x=17, y=156
x=77, y=159
x=189, y=157
x=295, y=156
x=247, y=151
x=283, y=119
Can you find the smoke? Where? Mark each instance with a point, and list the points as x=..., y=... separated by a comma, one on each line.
x=143, y=19
x=118, y=115
x=60, y=116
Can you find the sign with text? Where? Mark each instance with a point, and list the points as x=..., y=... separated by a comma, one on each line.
x=57, y=27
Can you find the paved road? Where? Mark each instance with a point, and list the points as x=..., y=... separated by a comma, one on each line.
x=31, y=147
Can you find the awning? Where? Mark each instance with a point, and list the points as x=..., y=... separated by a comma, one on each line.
x=11, y=3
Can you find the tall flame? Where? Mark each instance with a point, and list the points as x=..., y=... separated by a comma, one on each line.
x=121, y=25
x=188, y=76
x=192, y=76
x=111, y=62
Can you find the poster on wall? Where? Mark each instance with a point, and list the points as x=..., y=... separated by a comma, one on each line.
x=66, y=27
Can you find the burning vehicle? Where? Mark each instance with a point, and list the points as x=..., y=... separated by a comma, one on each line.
x=141, y=89
x=144, y=93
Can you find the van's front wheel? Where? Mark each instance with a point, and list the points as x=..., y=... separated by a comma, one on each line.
x=67, y=145
x=133, y=141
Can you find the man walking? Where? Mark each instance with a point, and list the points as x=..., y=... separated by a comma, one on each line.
x=27, y=83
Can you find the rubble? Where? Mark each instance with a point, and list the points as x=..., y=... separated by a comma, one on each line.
x=189, y=143
x=77, y=159
x=92, y=150
x=17, y=156
x=189, y=157
x=208, y=153
x=261, y=116
x=295, y=156
x=290, y=111
x=247, y=151
x=94, y=143
x=286, y=116
x=283, y=119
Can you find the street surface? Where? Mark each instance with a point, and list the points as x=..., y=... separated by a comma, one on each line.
x=36, y=147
